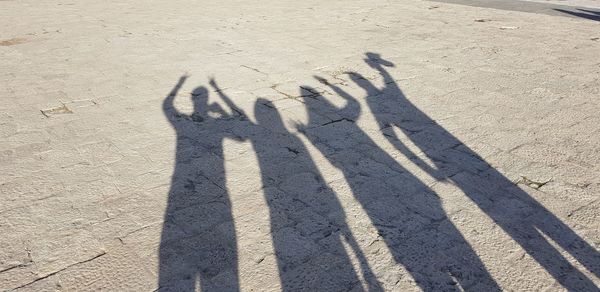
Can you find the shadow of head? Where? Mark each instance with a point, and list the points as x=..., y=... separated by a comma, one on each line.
x=266, y=114
x=363, y=82
x=199, y=98
x=313, y=100
x=202, y=108
x=375, y=59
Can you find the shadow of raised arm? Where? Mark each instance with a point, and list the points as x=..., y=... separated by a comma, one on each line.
x=168, y=107
x=352, y=108
x=226, y=98
x=375, y=61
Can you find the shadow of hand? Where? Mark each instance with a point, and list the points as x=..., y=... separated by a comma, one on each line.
x=301, y=127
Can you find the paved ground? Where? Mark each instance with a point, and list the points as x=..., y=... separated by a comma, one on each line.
x=298, y=145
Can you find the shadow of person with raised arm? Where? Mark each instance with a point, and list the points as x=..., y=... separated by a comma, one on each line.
x=198, y=241
x=308, y=224
x=521, y=216
x=406, y=213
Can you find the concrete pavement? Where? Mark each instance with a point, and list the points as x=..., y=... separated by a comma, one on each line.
x=370, y=145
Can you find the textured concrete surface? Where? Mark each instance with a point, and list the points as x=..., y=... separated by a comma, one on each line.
x=298, y=146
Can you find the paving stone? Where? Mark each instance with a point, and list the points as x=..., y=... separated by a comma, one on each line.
x=305, y=146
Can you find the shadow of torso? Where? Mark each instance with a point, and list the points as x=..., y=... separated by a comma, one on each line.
x=198, y=241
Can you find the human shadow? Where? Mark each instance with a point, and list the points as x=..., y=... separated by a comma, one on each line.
x=523, y=218
x=407, y=214
x=308, y=225
x=198, y=241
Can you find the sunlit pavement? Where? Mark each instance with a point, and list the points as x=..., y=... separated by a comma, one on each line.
x=298, y=145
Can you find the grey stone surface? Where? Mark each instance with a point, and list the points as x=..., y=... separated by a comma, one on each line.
x=298, y=146
x=586, y=9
